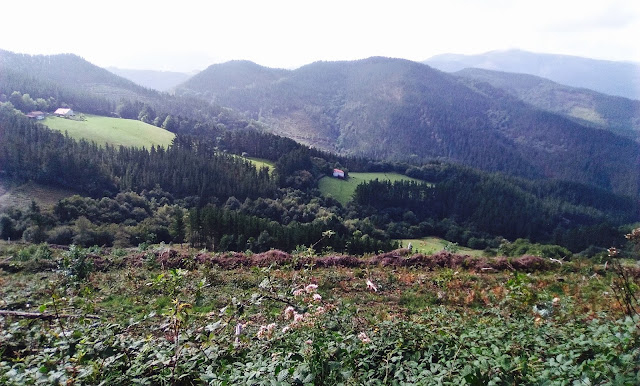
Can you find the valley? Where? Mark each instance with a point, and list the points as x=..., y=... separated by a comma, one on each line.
x=374, y=221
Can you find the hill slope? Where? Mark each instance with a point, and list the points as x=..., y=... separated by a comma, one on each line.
x=67, y=79
x=613, y=78
x=112, y=131
x=157, y=80
x=618, y=114
x=396, y=109
x=70, y=71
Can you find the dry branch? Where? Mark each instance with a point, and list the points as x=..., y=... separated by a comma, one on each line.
x=43, y=316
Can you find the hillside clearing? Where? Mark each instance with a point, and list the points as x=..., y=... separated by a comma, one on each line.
x=262, y=163
x=431, y=245
x=18, y=194
x=342, y=190
x=112, y=131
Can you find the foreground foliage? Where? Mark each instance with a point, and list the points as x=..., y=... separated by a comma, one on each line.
x=285, y=325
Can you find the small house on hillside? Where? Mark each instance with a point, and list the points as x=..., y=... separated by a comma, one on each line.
x=338, y=173
x=64, y=112
x=36, y=115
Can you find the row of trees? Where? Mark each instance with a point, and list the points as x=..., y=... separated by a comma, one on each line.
x=493, y=205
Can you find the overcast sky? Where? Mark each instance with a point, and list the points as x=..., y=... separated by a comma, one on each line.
x=189, y=35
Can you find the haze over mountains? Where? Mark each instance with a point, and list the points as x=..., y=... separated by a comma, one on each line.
x=157, y=80
x=389, y=109
x=614, y=78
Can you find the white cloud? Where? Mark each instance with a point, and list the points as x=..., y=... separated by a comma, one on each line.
x=286, y=33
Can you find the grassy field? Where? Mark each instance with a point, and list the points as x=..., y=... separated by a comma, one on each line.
x=114, y=131
x=431, y=245
x=262, y=163
x=342, y=190
x=19, y=194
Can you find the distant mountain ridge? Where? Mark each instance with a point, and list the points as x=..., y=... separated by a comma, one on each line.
x=157, y=80
x=609, y=77
x=66, y=73
x=401, y=110
x=617, y=114
x=91, y=89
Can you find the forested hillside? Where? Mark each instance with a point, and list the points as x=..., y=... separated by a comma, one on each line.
x=617, y=114
x=234, y=206
x=400, y=110
x=217, y=199
x=46, y=82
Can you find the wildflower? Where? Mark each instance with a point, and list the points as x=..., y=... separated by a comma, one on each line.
x=613, y=252
x=285, y=329
x=634, y=235
x=541, y=311
x=297, y=317
x=317, y=297
x=309, y=342
x=371, y=286
x=311, y=288
x=298, y=292
x=320, y=310
x=239, y=327
x=363, y=337
x=555, y=301
x=288, y=312
x=266, y=331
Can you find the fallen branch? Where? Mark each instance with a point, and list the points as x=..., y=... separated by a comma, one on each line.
x=43, y=316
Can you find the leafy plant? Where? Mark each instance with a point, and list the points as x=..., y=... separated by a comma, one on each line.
x=76, y=263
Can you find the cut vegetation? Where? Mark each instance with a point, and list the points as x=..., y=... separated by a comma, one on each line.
x=342, y=190
x=112, y=131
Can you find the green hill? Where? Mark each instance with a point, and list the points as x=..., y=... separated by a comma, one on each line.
x=342, y=190
x=113, y=131
x=617, y=114
x=398, y=110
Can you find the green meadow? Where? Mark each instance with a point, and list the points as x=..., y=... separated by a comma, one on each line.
x=262, y=163
x=342, y=190
x=432, y=245
x=113, y=131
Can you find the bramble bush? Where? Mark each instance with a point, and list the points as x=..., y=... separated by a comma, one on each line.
x=291, y=331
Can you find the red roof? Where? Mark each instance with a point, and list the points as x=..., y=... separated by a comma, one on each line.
x=338, y=171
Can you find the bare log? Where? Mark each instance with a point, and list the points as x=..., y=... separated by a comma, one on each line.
x=44, y=316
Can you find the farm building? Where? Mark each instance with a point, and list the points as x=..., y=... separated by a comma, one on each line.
x=36, y=115
x=338, y=173
x=64, y=112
